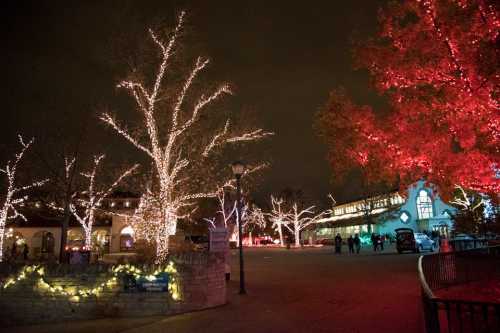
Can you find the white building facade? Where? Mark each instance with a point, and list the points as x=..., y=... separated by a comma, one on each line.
x=111, y=232
x=421, y=209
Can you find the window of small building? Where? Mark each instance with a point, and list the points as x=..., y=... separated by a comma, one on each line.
x=424, y=205
x=127, y=239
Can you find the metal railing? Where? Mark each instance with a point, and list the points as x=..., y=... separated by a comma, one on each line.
x=467, y=244
x=439, y=272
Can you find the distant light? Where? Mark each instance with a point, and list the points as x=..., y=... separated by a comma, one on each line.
x=127, y=231
x=127, y=203
x=113, y=204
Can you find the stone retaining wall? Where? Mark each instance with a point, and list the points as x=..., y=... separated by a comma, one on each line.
x=200, y=277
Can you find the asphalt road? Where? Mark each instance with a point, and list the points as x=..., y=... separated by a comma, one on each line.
x=302, y=290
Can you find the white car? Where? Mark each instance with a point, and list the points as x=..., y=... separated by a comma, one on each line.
x=463, y=237
x=423, y=242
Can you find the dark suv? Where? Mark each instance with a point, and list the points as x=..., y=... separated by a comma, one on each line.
x=405, y=240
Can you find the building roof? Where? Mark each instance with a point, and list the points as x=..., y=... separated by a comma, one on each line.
x=43, y=218
x=372, y=206
x=351, y=220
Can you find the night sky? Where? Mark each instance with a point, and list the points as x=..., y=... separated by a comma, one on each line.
x=282, y=59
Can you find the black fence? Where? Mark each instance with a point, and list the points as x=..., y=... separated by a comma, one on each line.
x=467, y=244
x=457, y=313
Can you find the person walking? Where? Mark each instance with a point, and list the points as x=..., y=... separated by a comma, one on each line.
x=26, y=251
x=382, y=240
x=338, y=244
x=374, y=242
x=357, y=243
x=350, y=244
x=13, y=251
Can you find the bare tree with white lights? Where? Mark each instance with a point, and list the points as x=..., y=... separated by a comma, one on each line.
x=299, y=219
x=278, y=216
x=14, y=196
x=174, y=142
x=86, y=206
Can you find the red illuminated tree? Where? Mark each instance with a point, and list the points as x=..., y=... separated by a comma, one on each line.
x=437, y=64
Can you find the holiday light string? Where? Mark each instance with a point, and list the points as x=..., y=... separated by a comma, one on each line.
x=75, y=294
x=13, y=199
x=278, y=216
x=163, y=205
x=84, y=208
x=298, y=220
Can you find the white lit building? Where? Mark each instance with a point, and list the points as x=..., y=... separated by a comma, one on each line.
x=421, y=209
x=42, y=231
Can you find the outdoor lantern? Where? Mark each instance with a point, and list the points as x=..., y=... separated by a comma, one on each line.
x=238, y=168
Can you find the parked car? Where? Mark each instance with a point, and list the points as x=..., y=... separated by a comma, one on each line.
x=462, y=242
x=464, y=237
x=326, y=241
x=405, y=240
x=266, y=241
x=423, y=242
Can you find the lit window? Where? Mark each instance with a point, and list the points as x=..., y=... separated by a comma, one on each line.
x=127, y=231
x=424, y=205
x=127, y=239
x=404, y=217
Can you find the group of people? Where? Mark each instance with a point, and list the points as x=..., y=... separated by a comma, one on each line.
x=15, y=254
x=353, y=243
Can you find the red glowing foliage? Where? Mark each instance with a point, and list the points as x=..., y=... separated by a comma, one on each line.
x=437, y=63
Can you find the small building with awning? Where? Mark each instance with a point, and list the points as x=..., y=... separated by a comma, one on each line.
x=420, y=209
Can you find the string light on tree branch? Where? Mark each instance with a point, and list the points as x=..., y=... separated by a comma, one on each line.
x=13, y=197
x=171, y=195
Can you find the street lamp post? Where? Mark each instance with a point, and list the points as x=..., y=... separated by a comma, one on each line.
x=238, y=169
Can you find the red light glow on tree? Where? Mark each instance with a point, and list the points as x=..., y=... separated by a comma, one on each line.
x=437, y=63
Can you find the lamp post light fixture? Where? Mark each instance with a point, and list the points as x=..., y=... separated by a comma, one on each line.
x=238, y=170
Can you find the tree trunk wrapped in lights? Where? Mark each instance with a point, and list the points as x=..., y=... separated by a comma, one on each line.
x=13, y=196
x=298, y=220
x=278, y=216
x=250, y=217
x=173, y=142
x=225, y=213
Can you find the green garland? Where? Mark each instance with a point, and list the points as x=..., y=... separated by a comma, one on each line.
x=75, y=294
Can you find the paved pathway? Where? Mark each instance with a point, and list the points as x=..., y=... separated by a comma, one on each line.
x=304, y=290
